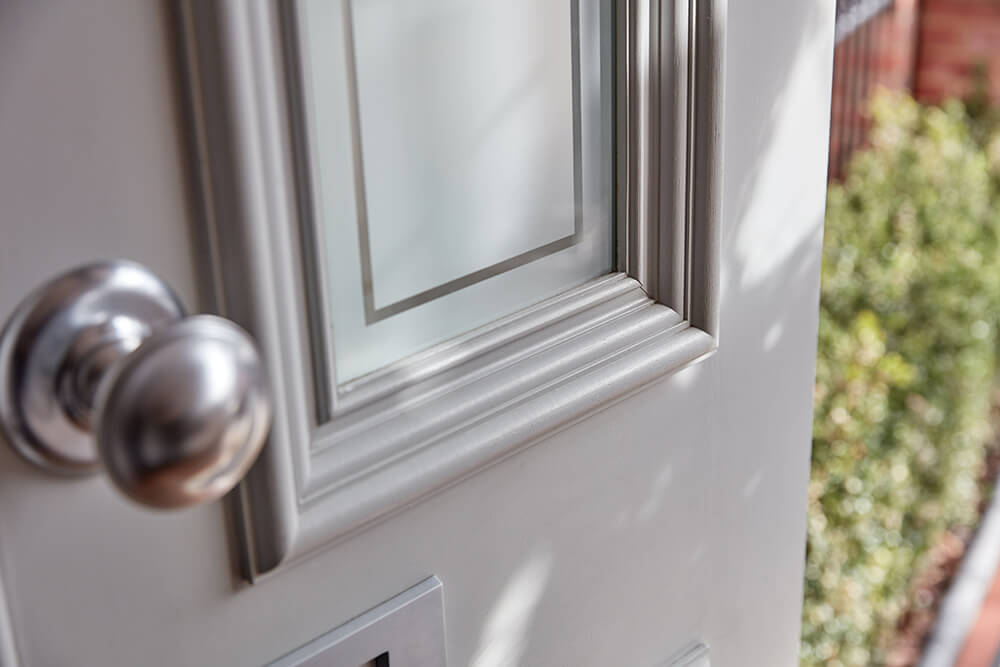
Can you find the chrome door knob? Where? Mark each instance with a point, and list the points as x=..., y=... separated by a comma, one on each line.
x=100, y=368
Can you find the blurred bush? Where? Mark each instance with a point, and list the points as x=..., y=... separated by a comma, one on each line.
x=907, y=352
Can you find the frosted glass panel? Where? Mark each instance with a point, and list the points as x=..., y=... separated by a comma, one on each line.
x=467, y=127
x=462, y=160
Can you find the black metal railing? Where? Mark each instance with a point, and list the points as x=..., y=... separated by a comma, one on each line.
x=859, y=37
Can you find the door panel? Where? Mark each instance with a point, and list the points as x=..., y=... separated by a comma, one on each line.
x=674, y=515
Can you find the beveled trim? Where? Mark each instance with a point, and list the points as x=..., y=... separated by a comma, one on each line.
x=669, y=163
x=458, y=350
x=441, y=417
x=706, y=88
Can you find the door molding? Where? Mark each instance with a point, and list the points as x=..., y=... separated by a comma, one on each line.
x=342, y=458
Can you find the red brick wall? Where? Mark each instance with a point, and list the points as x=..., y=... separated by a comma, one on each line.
x=955, y=36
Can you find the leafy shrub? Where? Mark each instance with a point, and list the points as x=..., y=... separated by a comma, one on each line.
x=909, y=314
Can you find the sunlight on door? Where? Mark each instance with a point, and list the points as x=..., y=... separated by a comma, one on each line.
x=505, y=636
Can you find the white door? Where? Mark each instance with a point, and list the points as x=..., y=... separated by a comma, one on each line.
x=535, y=287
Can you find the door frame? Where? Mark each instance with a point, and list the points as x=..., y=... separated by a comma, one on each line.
x=332, y=469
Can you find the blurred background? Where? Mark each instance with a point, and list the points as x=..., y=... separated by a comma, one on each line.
x=904, y=534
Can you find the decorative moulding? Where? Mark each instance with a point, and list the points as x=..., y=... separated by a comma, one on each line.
x=344, y=457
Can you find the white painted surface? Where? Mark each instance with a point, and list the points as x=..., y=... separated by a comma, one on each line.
x=676, y=515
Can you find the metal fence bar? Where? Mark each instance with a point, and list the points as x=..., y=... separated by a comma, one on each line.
x=858, y=37
x=837, y=111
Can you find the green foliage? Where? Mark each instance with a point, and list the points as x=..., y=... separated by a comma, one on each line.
x=910, y=308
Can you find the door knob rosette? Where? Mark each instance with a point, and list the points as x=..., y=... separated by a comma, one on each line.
x=100, y=368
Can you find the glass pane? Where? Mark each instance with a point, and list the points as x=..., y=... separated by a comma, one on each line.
x=462, y=156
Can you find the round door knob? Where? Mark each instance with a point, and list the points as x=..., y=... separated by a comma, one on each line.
x=100, y=368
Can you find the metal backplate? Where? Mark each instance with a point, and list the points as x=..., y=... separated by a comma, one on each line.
x=406, y=631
